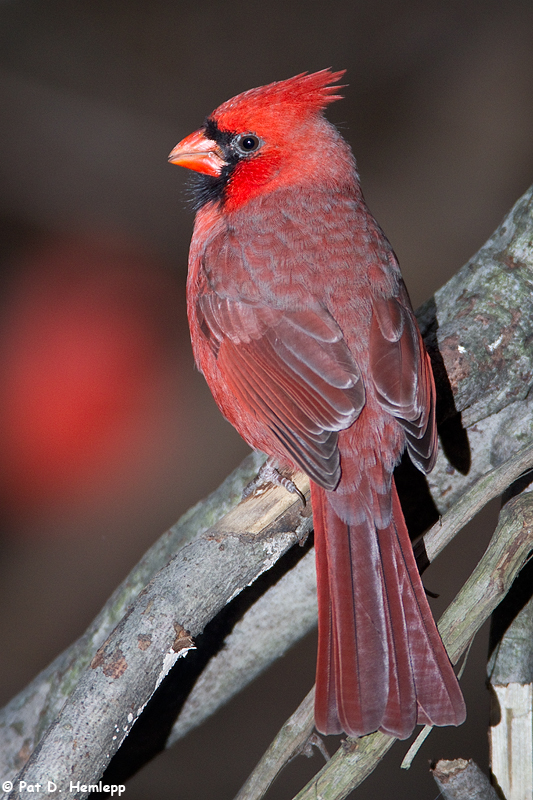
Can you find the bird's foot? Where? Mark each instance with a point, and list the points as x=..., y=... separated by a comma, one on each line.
x=270, y=474
x=306, y=749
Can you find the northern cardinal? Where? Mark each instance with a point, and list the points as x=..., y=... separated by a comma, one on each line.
x=303, y=329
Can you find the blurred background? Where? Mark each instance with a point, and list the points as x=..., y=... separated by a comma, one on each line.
x=107, y=434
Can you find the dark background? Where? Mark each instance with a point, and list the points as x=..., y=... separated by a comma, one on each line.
x=107, y=434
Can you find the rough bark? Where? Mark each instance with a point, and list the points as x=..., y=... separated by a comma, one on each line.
x=462, y=780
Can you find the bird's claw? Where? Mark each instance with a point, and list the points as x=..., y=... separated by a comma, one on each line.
x=269, y=474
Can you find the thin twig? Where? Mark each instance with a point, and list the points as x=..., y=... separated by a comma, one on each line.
x=485, y=489
x=288, y=743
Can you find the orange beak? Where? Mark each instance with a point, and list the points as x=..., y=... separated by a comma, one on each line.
x=198, y=153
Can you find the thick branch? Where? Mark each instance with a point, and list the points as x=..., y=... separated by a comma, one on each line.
x=479, y=329
x=24, y=720
x=157, y=629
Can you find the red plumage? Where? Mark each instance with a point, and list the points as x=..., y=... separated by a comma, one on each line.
x=303, y=328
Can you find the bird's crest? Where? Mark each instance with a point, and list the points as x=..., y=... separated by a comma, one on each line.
x=304, y=93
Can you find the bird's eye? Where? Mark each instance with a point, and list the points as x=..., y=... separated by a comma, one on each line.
x=247, y=143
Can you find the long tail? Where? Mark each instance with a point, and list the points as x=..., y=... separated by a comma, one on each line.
x=381, y=663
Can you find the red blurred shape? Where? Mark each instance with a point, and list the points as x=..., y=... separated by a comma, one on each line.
x=83, y=335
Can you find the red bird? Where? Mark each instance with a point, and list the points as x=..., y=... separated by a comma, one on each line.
x=303, y=329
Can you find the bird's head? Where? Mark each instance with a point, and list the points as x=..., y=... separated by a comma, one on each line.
x=264, y=138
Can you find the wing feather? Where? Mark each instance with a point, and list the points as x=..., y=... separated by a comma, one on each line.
x=402, y=376
x=294, y=369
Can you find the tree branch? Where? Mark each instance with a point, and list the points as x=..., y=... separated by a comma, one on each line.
x=156, y=630
x=462, y=780
x=27, y=716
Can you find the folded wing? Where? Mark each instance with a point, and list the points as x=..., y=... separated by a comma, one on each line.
x=294, y=369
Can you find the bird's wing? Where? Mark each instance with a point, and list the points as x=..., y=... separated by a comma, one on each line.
x=402, y=375
x=294, y=369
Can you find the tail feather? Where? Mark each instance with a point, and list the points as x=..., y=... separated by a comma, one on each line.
x=326, y=717
x=381, y=663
